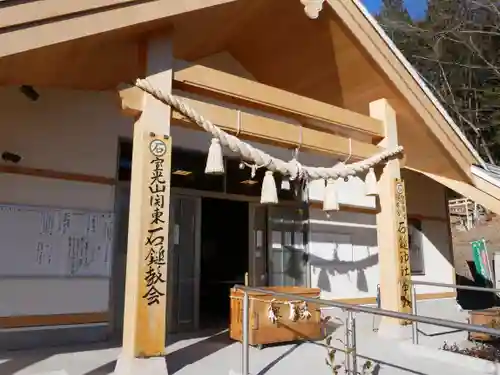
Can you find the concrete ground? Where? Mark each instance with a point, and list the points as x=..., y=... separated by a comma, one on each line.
x=212, y=352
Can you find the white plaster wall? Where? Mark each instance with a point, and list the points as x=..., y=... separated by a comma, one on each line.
x=351, y=193
x=353, y=272
x=426, y=200
x=436, y=248
x=53, y=296
x=64, y=131
x=343, y=254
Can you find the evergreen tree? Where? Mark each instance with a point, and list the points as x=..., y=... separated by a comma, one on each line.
x=394, y=10
x=456, y=49
x=394, y=18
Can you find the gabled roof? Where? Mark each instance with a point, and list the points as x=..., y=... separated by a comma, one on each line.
x=425, y=124
x=483, y=184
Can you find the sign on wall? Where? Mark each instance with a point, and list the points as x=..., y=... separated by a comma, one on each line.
x=154, y=236
x=481, y=260
x=405, y=303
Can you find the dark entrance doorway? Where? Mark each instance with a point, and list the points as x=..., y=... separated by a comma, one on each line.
x=224, y=257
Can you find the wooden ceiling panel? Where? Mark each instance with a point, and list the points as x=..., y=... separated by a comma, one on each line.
x=281, y=47
x=208, y=31
x=84, y=65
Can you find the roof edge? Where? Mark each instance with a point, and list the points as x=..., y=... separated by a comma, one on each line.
x=416, y=76
x=481, y=173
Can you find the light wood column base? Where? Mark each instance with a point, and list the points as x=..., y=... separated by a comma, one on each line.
x=127, y=365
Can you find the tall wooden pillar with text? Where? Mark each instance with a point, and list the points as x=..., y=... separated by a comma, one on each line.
x=392, y=227
x=144, y=323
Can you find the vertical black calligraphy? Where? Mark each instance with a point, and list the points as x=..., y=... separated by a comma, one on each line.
x=403, y=247
x=155, y=238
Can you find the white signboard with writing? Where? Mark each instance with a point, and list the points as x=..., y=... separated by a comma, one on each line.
x=42, y=241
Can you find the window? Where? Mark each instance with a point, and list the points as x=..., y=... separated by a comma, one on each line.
x=287, y=254
x=240, y=182
x=188, y=171
x=125, y=161
x=417, y=264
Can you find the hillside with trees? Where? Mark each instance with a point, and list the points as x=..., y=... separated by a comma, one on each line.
x=456, y=50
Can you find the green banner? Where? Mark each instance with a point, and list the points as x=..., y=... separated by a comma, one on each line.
x=480, y=257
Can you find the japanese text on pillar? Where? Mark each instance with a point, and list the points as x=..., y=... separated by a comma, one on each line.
x=155, y=242
x=403, y=247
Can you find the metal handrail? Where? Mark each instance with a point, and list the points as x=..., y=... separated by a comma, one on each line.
x=381, y=312
x=351, y=362
x=455, y=286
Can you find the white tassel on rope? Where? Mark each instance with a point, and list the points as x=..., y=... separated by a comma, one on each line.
x=269, y=194
x=371, y=183
x=252, y=154
x=215, y=159
x=330, y=200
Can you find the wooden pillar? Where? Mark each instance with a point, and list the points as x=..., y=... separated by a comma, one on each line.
x=144, y=323
x=392, y=226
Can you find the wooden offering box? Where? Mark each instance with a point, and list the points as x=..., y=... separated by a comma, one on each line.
x=262, y=330
x=488, y=318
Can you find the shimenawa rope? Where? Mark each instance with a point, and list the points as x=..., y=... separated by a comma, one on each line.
x=291, y=168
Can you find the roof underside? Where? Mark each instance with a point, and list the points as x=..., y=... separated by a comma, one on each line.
x=277, y=44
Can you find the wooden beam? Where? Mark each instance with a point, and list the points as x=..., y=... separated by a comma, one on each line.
x=486, y=186
x=57, y=175
x=256, y=127
x=88, y=24
x=32, y=12
x=231, y=88
x=476, y=194
x=263, y=129
x=392, y=227
x=131, y=99
x=144, y=322
x=24, y=321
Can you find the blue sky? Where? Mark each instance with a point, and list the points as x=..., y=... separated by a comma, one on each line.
x=415, y=7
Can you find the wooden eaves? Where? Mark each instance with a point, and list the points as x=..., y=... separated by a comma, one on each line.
x=208, y=90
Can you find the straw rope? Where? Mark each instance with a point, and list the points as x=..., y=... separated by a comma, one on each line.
x=291, y=168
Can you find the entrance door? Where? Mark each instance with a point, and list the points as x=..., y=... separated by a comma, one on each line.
x=287, y=251
x=184, y=263
x=257, y=245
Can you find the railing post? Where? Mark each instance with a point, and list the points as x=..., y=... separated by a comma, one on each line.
x=379, y=305
x=350, y=344
x=414, y=324
x=244, y=363
x=353, y=344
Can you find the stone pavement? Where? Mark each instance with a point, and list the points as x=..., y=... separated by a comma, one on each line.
x=214, y=353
